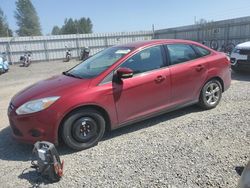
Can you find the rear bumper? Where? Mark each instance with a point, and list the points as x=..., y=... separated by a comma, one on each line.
x=226, y=77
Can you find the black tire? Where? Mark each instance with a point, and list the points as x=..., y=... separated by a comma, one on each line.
x=83, y=129
x=214, y=44
x=210, y=95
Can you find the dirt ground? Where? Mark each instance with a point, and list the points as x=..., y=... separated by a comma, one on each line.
x=186, y=148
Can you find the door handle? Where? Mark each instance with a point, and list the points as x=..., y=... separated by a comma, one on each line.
x=199, y=68
x=159, y=78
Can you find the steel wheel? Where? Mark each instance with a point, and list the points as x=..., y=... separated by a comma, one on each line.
x=83, y=129
x=210, y=95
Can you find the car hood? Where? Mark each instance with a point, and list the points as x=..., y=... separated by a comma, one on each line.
x=60, y=85
x=245, y=45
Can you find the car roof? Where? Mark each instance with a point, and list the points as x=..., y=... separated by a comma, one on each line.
x=140, y=44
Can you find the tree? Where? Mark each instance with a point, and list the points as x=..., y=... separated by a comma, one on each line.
x=81, y=26
x=85, y=25
x=56, y=30
x=5, y=31
x=27, y=19
x=69, y=27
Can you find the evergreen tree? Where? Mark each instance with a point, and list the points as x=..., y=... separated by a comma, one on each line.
x=56, y=30
x=27, y=19
x=5, y=31
x=71, y=26
x=85, y=25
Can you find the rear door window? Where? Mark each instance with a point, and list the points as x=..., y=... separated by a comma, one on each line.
x=201, y=51
x=179, y=53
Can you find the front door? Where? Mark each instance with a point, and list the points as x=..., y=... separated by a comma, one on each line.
x=148, y=91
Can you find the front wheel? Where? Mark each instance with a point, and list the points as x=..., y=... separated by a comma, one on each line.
x=210, y=94
x=83, y=129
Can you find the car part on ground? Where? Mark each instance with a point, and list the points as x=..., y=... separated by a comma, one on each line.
x=48, y=163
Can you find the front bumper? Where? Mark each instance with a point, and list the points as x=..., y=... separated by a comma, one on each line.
x=40, y=126
x=240, y=61
x=240, y=64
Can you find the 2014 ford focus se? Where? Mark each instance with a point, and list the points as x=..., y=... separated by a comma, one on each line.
x=116, y=87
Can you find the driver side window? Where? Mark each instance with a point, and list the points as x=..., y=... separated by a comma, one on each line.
x=145, y=60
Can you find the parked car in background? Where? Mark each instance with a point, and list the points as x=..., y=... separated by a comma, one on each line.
x=240, y=57
x=116, y=87
x=4, y=65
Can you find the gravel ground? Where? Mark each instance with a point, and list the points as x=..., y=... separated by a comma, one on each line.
x=186, y=148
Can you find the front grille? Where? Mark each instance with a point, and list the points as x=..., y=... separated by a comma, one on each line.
x=243, y=62
x=244, y=51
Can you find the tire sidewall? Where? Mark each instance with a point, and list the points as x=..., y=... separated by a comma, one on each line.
x=68, y=124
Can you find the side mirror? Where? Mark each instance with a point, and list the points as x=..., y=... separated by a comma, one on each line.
x=123, y=73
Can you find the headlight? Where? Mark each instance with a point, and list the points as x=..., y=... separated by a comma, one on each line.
x=36, y=105
x=235, y=50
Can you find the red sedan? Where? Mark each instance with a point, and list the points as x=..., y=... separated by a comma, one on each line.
x=116, y=87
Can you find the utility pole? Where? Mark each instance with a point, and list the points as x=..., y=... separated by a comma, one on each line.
x=153, y=30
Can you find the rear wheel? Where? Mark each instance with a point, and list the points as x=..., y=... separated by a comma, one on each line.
x=83, y=129
x=210, y=94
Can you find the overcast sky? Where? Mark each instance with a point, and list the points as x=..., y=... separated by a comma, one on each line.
x=130, y=15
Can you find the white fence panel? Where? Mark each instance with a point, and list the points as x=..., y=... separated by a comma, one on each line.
x=47, y=48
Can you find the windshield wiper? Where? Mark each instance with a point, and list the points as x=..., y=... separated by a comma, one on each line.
x=71, y=75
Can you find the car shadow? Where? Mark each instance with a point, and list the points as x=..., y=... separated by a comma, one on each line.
x=10, y=150
x=241, y=76
x=151, y=122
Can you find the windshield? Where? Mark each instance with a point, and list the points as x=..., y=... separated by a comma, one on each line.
x=98, y=63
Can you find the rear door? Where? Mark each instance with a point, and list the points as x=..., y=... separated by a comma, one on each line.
x=188, y=72
x=148, y=91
